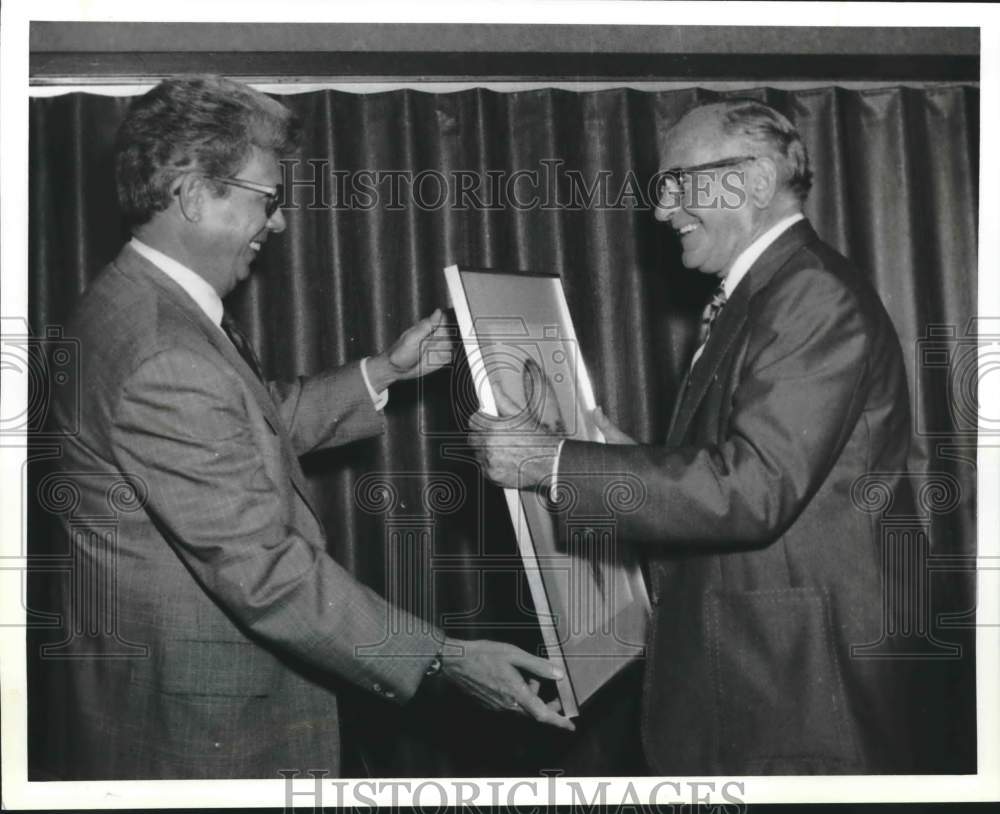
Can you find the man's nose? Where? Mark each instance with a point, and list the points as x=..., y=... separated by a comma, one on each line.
x=663, y=214
x=276, y=223
x=669, y=202
x=665, y=209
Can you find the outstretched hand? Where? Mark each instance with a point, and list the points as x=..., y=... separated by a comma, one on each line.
x=420, y=349
x=493, y=673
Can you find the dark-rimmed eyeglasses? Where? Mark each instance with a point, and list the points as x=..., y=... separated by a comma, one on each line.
x=674, y=181
x=273, y=194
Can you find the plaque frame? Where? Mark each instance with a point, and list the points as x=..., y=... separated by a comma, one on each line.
x=587, y=587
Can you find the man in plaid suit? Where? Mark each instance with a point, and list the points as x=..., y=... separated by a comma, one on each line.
x=231, y=615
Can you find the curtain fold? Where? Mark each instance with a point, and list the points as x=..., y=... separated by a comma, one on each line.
x=544, y=180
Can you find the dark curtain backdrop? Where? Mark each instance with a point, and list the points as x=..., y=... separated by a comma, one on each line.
x=895, y=189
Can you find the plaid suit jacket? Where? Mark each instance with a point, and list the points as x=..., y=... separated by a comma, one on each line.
x=221, y=618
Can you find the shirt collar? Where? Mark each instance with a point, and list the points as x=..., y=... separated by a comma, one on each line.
x=194, y=285
x=752, y=252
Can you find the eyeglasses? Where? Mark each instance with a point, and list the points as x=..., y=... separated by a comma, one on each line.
x=274, y=194
x=674, y=181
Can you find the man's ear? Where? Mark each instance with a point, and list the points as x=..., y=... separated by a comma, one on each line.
x=764, y=183
x=190, y=194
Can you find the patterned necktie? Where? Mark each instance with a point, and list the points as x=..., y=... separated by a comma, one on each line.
x=242, y=345
x=710, y=313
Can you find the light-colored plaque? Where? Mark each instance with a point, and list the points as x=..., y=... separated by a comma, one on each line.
x=586, y=585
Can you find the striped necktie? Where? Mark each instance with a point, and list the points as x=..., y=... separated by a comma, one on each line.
x=710, y=313
x=708, y=316
x=242, y=344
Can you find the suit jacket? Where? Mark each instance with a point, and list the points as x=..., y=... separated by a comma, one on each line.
x=223, y=618
x=764, y=572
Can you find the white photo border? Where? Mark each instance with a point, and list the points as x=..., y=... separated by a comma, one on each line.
x=18, y=793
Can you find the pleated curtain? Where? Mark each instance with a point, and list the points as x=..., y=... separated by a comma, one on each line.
x=555, y=181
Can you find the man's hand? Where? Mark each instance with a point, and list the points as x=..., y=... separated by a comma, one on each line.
x=612, y=434
x=518, y=449
x=492, y=672
x=419, y=350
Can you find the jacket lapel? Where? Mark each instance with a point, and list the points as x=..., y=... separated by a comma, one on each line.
x=729, y=324
x=134, y=264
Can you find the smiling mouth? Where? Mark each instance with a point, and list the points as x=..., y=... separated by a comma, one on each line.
x=687, y=229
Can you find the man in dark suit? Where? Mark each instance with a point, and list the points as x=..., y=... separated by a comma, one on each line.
x=764, y=572
x=221, y=617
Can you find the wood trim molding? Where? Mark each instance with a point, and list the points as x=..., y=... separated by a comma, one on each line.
x=94, y=68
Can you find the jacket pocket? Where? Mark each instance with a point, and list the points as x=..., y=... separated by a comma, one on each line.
x=207, y=668
x=779, y=697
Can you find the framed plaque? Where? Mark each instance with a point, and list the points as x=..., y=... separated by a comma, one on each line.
x=586, y=585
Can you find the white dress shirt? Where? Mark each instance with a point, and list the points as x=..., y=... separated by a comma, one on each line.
x=194, y=285
x=208, y=300
x=737, y=272
x=747, y=258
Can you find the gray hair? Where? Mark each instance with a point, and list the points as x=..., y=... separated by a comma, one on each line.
x=768, y=132
x=207, y=124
